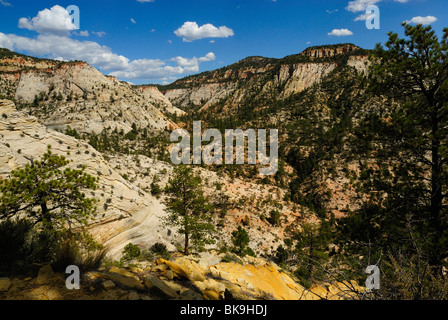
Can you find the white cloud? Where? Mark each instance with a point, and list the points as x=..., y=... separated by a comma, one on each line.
x=190, y=31
x=143, y=1
x=5, y=3
x=191, y=65
x=364, y=16
x=65, y=48
x=133, y=21
x=208, y=57
x=340, y=32
x=84, y=33
x=361, y=5
x=52, y=21
x=54, y=41
x=331, y=11
x=422, y=20
x=99, y=33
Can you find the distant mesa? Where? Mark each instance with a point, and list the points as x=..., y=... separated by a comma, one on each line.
x=329, y=51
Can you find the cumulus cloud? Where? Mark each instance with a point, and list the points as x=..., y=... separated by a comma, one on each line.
x=56, y=20
x=340, y=32
x=360, y=5
x=208, y=57
x=356, y=6
x=364, y=16
x=191, y=31
x=421, y=20
x=65, y=48
x=55, y=41
x=84, y=33
x=157, y=69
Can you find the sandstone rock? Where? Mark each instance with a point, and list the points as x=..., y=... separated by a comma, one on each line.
x=169, y=274
x=317, y=292
x=45, y=274
x=160, y=288
x=123, y=272
x=211, y=295
x=187, y=268
x=5, y=283
x=191, y=295
x=125, y=281
x=99, y=101
x=131, y=213
x=133, y=296
x=159, y=267
x=108, y=285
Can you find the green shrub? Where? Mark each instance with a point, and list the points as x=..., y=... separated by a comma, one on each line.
x=281, y=256
x=131, y=251
x=240, y=239
x=155, y=189
x=274, y=218
x=21, y=246
x=159, y=248
x=79, y=250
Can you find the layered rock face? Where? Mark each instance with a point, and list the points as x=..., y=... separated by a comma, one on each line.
x=77, y=95
x=233, y=85
x=124, y=212
x=323, y=51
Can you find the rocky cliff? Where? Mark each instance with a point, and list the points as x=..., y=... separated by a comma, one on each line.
x=264, y=77
x=125, y=213
x=75, y=94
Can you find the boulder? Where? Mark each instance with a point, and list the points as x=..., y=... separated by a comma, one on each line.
x=123, y=272
x=108, y=285
x=45, y=274
x=211, y=295
x=159, y=267
x=169, y=274
x=126, y=282
x=133, y=296
x=160, y=288
x=187, y=268
x=5, y=283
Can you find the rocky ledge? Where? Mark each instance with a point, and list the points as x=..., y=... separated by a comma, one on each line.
x=206, y=276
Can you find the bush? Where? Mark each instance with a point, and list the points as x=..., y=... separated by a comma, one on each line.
x=274, y=218
x=21, y=246
x=131, y=251
x=79, y=250
x=281, y=256
x=159, y=248
x=155, y=189
x=240, y=239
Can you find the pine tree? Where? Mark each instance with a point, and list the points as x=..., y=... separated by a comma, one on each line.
x=188, y=207
x=49, y=193
x=406, y=174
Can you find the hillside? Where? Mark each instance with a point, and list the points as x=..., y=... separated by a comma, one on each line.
x=77, y=95
x=354, y=171
x=88, y=107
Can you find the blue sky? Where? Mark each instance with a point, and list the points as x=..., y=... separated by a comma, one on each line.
x=159, y=41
